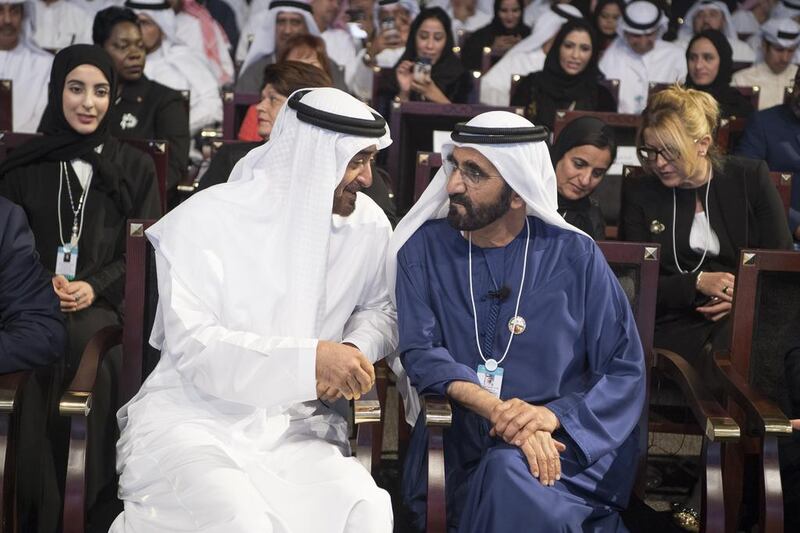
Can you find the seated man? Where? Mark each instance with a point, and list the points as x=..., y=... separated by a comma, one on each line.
x=24, y=63
x=779, y=39
x=61, y=23
x=713, y=15
x=338, y=42
x=774, y=136
x=269, y=310
x=640, y=56
x=506, y=284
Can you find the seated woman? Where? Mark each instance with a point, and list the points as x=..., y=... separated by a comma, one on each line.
x=604, y=18
x=703, y=209
x=505, y=30
x=569, y=78
x=709, y=61
x=78, y=187
x=581, y=156
x=145, y=109
x=430, y=42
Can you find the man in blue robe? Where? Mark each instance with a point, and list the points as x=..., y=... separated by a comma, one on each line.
x=544, y=434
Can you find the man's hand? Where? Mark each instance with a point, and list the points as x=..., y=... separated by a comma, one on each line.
x=344, y=369
x=796, y=424
x=515, y=421
x=328, y=395
x=541, y=451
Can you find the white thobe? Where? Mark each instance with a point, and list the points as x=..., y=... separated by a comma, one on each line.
x=179, y=68
x=29, y=70
x=476, y=21
x=190, y=33
x=339, y=45
x=358, y=76
x=496, y=83
x=744, y=21
x=93, y=6
x=665, y=63
x=485, y=6
x=742, y=52
x=61, y=24
x=772, y=85
x=226, y=435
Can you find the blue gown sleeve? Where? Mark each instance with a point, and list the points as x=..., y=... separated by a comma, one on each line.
x=429, y=364
x=602, y=416
x=32, y=331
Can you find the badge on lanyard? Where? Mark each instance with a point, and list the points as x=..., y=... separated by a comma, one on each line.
x=67, y=261
x=491, y=380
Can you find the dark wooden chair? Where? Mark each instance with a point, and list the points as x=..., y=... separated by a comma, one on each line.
x=765, y=315
x=741, y=65
x=729, y=132
x=752, y=93
x=6, y=107
x=234, y=108
x=787, y=94
x=783, y=182
x=612, y=86
x=159, y=152
x=412, y=125
x=11, y=396
x=625, y=126
x=427, y=165
x=636, y=266
x=488, y=59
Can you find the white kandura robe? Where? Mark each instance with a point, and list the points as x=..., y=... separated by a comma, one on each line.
x=29, y=70
x=226, y=435
x=179, y=68
x=358, y=76
x=496, y=83
x=190, y=32
x=476, y=21
x=772, y=85
x=339, y=46
x=665, y=63
x=61, y=24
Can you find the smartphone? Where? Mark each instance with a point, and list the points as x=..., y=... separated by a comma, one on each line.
x=390, y=34
x=422, y=70
x=357, y=15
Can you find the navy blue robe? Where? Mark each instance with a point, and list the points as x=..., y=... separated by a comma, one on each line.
x=580, y=356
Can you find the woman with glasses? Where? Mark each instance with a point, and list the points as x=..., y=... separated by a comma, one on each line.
x=703, y=208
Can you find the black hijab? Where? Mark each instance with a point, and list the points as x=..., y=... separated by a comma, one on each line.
x=59, y=141
x=497, y=27
x=730, y=100
x=472, y=51
x=555, y=81
x=605, y=39
x=448, y=72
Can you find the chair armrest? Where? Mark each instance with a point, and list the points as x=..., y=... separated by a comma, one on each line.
x=11, y=386
x=367, y=409
x=708, y=413
x=77, y=399
x=437, y=411
x=366, y=418
x=770, y=419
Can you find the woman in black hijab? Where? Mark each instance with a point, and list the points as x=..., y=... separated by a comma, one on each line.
x=581, y=156
x=505, y=30
x=568, y=80
x=78, y=186
x=604, y=19
x=709, y=62
x=430, y=40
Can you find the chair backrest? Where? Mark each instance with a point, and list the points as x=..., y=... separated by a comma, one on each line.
x=159, y=151
x=234, y=108
x=625, y=126
x=412, y=125
x=6, y=107
x=765, y=316
x=783, y=182
x=427, y=165
x=141, y=300
x=488, y=59
x=636, y=266
x=612, y=86
x=787, y=94
x=740, y=65
x=729, y=132
x=516, y=79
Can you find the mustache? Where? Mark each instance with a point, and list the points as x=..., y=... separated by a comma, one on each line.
x=460, y=199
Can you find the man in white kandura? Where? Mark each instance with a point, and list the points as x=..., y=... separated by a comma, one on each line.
x=270, y=308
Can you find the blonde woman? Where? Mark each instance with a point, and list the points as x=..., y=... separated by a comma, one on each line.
x=703, y=208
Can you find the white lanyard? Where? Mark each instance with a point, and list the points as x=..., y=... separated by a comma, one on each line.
x=491, y=364
x=77, y=229
x=708, y=232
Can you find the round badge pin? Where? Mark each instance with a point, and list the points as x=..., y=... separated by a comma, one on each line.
x=516, y=325
x=491, y=365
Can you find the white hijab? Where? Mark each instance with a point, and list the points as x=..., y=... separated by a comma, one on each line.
x=264, y=31
x=547, y=27
x=259, y=243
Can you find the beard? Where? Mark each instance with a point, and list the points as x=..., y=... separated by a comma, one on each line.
x=476, y=217
x=344, y=200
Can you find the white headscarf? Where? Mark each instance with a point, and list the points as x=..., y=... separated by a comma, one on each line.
x=267, y=230
x=686, y=31
x=547, y=27
x=409, y=5
x=264, y=28
x=787, y=8
x=527, y=169
x=162, y=14
x=642, y=12
x=778, y=30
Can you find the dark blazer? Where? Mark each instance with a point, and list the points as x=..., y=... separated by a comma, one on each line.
x=745, y=211
x=32, y=331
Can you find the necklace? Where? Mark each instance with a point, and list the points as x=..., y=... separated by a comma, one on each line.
x=77, y=212
x=492, y=364
x=708, y=232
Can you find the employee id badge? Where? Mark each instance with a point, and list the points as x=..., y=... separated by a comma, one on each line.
x=67, y=262
x=492, y=381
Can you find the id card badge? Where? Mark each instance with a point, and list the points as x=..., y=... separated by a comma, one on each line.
x=492, y=381
x=67, y=262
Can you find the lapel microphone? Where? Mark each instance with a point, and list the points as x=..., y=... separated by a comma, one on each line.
x=500, y=294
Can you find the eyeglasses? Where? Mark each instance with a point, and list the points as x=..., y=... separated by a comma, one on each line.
x=470, y=171
x=649, y=154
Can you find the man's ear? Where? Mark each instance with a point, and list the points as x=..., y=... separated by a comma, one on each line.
x=516, y=201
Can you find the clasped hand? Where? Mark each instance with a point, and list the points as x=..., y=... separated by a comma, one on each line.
x=73, y=295
x=530, y=428
x=342, y=371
